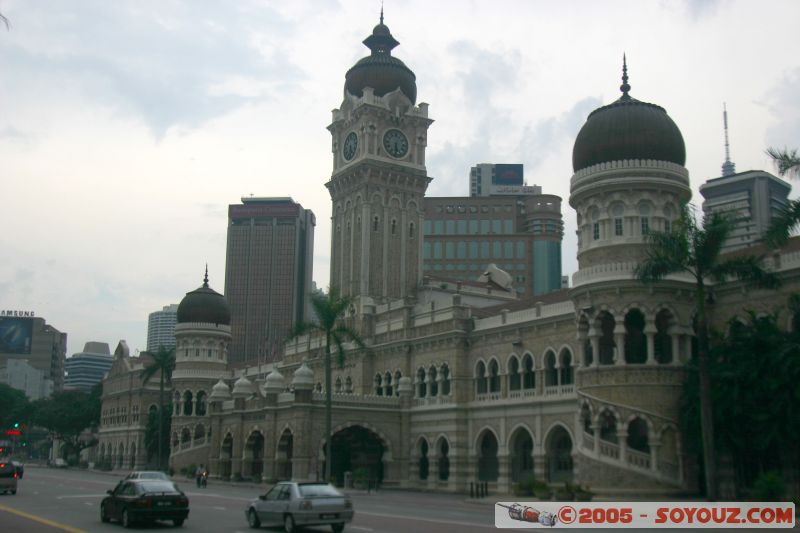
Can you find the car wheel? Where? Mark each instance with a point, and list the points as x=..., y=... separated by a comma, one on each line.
x=178, y=522
x=103, y=516
x=126, y=519
x=252, y=519
x=337, y=528
x=288, y=523
x=13, y=492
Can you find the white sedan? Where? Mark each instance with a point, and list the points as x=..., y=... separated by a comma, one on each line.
x=292, y=505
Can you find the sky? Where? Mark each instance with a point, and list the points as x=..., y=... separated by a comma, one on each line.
x=128, y=127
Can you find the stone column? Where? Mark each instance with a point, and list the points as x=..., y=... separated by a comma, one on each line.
x=675, y=337
x=539, y=465
x=596, y=429
x=503, y=472
x=622, y=440
x=654, y=446
x=581, y=355
x=594, y=338
x=650, y=331
x=619, y=340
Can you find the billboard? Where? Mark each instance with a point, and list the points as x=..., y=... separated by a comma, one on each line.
x=508, y=174
x=16, y=334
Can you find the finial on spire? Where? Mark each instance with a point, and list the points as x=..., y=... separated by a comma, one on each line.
x=381, y=11
x=625, y=87
x=205, y=279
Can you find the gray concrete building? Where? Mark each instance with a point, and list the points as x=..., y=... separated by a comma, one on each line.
x=29, y=339
x=753, y=197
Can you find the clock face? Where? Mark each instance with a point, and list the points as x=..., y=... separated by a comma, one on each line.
x=350, y=145
x=395, y=143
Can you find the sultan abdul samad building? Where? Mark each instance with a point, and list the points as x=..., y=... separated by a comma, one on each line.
x=462, y=381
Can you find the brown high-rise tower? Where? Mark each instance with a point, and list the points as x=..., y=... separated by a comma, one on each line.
x=267, y=274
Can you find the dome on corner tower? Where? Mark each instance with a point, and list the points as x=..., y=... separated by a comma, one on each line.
x=204, y=304
x=628, y=129
x=380, y=70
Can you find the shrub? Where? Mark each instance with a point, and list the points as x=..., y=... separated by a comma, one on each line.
x=256, y=478
x=583, y=494
x=565, y=493
x=768, y=487
x=542, y=490
x=237, y=476
x=361, y=474
x=525, y=487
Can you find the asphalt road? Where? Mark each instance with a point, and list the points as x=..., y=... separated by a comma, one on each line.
x=52, y=500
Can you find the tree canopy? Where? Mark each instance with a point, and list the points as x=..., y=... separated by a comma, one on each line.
x=755, y=389
x=67, y=414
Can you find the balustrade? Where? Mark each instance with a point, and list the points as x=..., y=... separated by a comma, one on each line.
x=609, y=449
x=637, y=458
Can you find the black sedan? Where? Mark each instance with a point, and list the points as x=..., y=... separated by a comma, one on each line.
x=145, y=500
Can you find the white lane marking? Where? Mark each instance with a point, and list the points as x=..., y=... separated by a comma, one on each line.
x=219, y=508
x=421, y=519
x=211, y=494
x=362, y=528
x=80, y=496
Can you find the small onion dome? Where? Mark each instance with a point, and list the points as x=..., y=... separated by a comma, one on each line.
x=243, y=388
x=380, y=70
x=204, y=305
x=303, y=378
x=404, y=386
x=220, y=392
x=274, y=383
x=628, y=129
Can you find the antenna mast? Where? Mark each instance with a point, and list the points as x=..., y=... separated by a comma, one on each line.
x=728, y=167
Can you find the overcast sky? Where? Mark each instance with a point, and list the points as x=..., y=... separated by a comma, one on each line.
x=127, y=127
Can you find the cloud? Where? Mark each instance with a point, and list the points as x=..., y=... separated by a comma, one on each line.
x=698, y=9
x=171, y=64
x=12, y=134
x=781, y=100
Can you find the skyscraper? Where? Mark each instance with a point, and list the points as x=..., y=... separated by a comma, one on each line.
x=267, y=275
x=32, y=353
x=161, y=328
x=521, y=234
x=87, y=368
x=754, y=197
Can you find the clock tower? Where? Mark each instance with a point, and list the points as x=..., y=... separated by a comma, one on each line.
x=379, y=178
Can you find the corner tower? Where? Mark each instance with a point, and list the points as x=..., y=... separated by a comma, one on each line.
x=629, y=178
x=379, y=136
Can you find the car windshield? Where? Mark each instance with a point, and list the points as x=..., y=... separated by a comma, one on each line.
x=318, y=490
x=157, y=486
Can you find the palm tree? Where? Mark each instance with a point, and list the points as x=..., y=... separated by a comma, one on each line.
x=330, y=310
x=689, y=248
x=788, y=163
x=163, y=364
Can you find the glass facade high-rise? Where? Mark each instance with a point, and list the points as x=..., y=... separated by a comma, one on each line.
x=87, y=368
x=161, y=328
x=520, y=234
x=267, y=275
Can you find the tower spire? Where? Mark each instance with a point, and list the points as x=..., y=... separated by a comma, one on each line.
x=381, y=11
x=205, y=278
x=625, y=87
x=728, y=167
